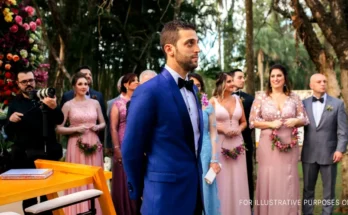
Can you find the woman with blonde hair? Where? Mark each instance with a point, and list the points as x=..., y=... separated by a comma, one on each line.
x=232, y=181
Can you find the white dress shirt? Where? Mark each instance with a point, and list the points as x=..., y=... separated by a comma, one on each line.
x=190, y=102
x=318, y=109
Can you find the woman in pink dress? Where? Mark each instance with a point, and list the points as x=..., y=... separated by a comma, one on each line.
x=82, y=114
x=277, y=111
x=119, y=191
x=232, y=181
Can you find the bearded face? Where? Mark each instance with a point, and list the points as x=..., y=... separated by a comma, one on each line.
x=26, y=82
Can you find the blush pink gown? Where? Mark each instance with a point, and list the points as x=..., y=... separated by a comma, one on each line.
x=277, y=187
x=83, y=113
x=232, y=181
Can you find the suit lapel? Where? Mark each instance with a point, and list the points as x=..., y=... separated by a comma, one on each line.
x=182, y=108
x=325, y=112
x=200, y=117
x=309, y=109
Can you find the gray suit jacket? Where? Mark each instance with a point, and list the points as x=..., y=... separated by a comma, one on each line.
x=107, y=138
x=321, y=142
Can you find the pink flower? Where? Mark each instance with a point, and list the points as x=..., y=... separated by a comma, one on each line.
x=38, y=21
x=32, y=26
x=14, y=28
x=26, y=26
x=19, y=20
x=30, y=10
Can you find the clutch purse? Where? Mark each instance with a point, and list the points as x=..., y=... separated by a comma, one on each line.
x=210, y=176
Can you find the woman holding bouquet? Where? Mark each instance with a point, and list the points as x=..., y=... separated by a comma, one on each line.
x=209, y=157
x=84, y=146
x=277, y=112
x=119, y=192
x=232, y=181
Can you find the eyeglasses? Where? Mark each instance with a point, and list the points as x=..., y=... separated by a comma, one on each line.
x=25, y=82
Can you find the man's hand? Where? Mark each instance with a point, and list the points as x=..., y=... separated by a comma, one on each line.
x=16, y=117
x=337, y=157
x=50, y=102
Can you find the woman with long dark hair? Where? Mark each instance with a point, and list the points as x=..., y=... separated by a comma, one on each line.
x=119, y=192
x=277, y=112
x=84, y=146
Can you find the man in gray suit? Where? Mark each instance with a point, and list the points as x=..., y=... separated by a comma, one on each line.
x=325, y=141
x=108, y=143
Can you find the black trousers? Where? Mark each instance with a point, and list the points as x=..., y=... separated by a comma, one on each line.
x=199, y=202
x=250, y=169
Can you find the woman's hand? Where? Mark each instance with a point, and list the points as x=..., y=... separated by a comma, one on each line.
x=81, y=129
x=221, y=129
x=291, y=122
x=95, y=128
x=118, y=155
x=234, y=132
x=276, y=124
x=216, y=167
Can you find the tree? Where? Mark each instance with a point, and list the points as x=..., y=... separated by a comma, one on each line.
x=249, y=47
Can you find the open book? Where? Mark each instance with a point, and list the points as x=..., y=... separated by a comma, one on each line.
x=26, y=174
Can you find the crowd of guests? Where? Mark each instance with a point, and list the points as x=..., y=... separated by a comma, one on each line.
x=165, y=139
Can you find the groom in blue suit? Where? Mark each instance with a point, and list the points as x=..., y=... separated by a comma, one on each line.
x=165, y=122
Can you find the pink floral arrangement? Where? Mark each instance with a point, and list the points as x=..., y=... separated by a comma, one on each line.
x=20, y=42
x=204, y=100
x=277, y=142
x=41, y=75
x=88, y=149
x=235, y=152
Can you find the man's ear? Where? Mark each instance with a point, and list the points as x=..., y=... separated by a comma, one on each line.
x=169, y=49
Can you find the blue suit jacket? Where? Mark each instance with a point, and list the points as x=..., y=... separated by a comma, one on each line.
x=159, y=125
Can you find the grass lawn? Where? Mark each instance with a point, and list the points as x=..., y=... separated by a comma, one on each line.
x=319, y=187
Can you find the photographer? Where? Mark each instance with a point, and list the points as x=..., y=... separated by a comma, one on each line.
x=25, y=128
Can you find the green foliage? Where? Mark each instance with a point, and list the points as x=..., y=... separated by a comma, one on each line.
x=116, y=38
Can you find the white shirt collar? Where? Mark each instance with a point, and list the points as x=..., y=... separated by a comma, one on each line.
x=174, y=74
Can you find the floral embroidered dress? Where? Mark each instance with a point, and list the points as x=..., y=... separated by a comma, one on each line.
x=83, y=113
x=277, y=187
x=232, y=181
x=119, y=191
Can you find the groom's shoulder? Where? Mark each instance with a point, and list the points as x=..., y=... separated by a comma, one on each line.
x=150, y=85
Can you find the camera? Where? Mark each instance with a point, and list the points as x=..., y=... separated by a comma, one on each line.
x=42, y=93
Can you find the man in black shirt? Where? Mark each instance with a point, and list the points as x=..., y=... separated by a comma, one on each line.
x=238, y=82
x=25, y=128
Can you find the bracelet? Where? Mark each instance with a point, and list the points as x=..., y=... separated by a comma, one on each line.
x=214, y=161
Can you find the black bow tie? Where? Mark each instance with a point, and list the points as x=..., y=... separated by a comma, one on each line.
x=236, y=93
x=320, y=100
x=187, y=84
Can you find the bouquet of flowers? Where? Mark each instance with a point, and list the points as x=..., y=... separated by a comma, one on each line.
x=235, y=152
x=277, y=142
x=20, y=42
x=86, y=148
